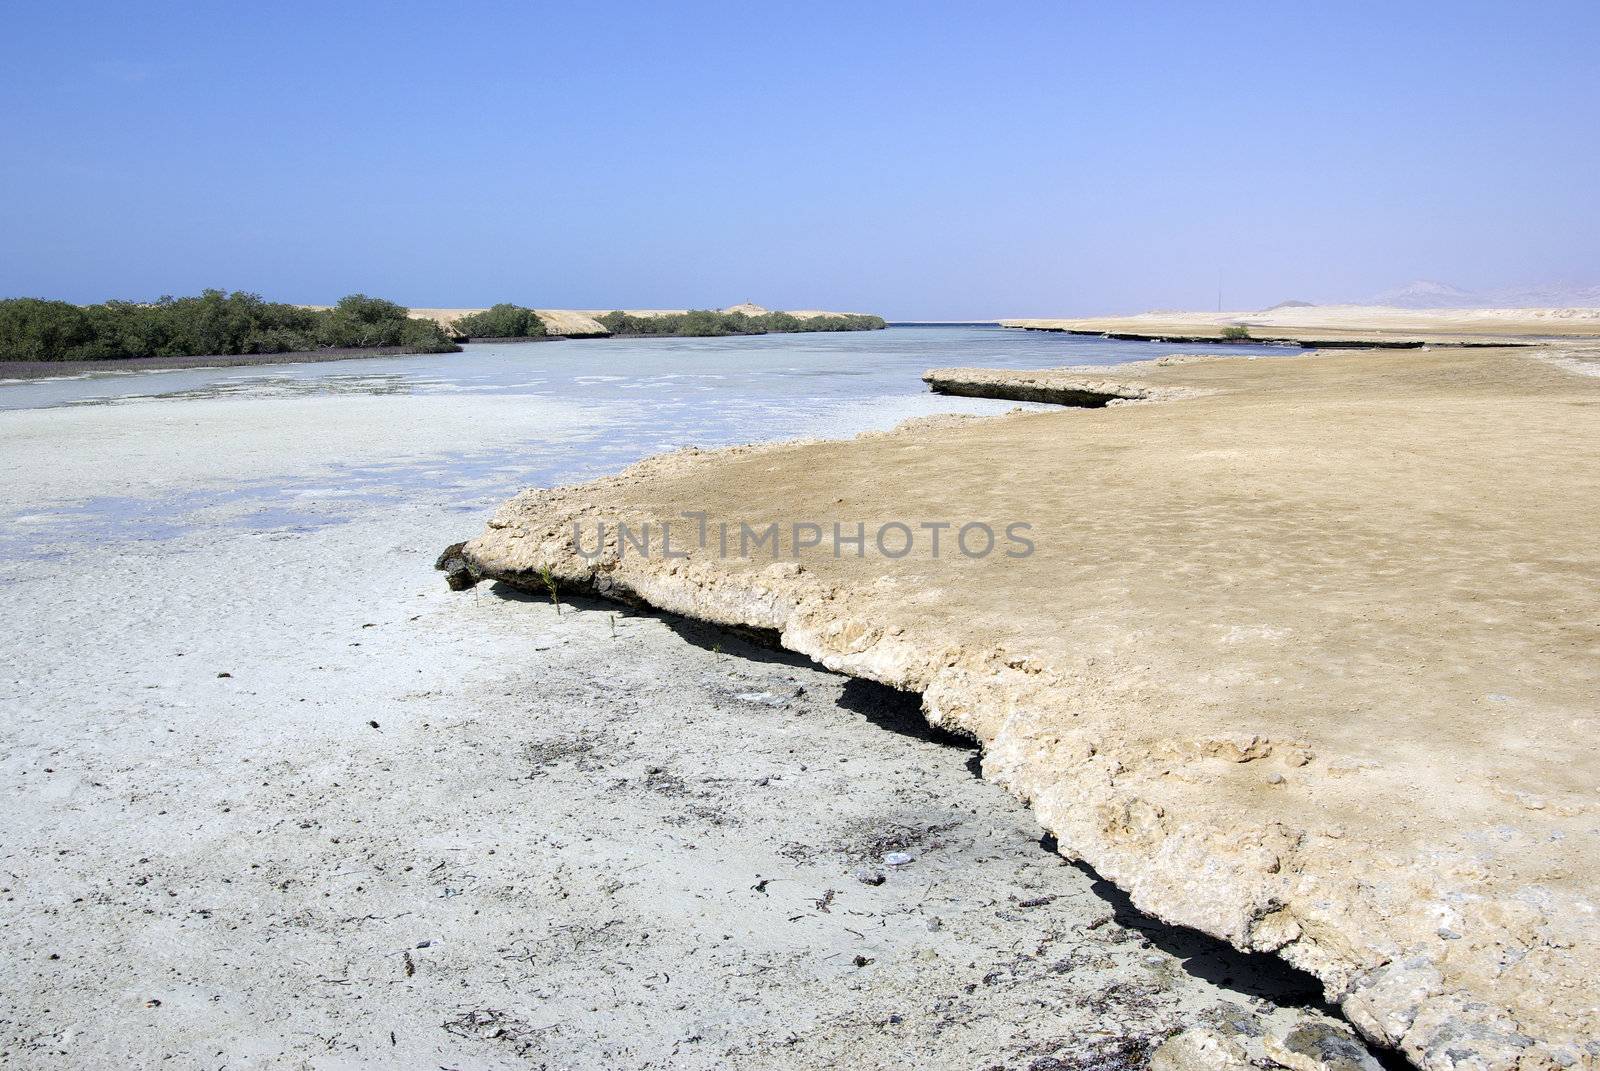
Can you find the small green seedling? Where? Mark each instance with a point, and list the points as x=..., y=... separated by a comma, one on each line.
x=549, y=579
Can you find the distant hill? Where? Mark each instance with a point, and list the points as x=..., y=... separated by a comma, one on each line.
x=1426, y=294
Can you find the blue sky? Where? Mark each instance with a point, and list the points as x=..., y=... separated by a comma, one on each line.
x=919, y=160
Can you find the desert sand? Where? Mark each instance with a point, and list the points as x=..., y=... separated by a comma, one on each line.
x=1311, y=324
x=1306, y=659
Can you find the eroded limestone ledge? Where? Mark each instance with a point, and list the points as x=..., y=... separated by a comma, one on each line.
x=1340, y=325
x=1083, y=388
x=1309, y=661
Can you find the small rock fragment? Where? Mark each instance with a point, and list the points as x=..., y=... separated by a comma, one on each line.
x=899, y=859
x=1200, y=1048
x=458, y=574
x=1317, y=1046
x=868, y=876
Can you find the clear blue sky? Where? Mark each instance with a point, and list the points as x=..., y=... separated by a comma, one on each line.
x=919, y=160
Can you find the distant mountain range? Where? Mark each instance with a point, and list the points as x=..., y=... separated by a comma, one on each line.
x=1425, y=294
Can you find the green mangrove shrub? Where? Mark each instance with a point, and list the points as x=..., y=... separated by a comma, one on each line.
x=709, y=323
x=502, y=321
x=214, y=323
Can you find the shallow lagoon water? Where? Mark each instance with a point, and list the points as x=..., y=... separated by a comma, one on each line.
x=622, y=400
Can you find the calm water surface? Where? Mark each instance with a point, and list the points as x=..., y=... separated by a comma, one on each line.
x=637, y=397
x=716, y=375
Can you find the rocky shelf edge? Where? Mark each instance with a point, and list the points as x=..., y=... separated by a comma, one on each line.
x=1056, y=386
x=1308, y=342
x=1366, y=933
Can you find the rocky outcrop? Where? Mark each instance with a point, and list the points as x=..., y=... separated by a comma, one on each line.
x=1057, y=386
x=1305, y=662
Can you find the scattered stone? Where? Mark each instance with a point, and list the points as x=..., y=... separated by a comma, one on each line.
x=899, y=859
x=224, y=674
x=1200, y=1048
x=1318, y=1046
x=868, y=876
x=933, y=924
x=458, y=573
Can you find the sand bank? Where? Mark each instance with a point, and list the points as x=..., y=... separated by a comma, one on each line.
x=1306, y=660
x=1340, y=324
x=50, y=369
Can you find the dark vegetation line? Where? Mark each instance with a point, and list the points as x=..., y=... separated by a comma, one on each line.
x=216, y=323
x=223, y=324
x=707, y=323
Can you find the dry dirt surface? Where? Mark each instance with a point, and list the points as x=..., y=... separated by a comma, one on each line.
x=1341, y=323
x=1308, y=660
